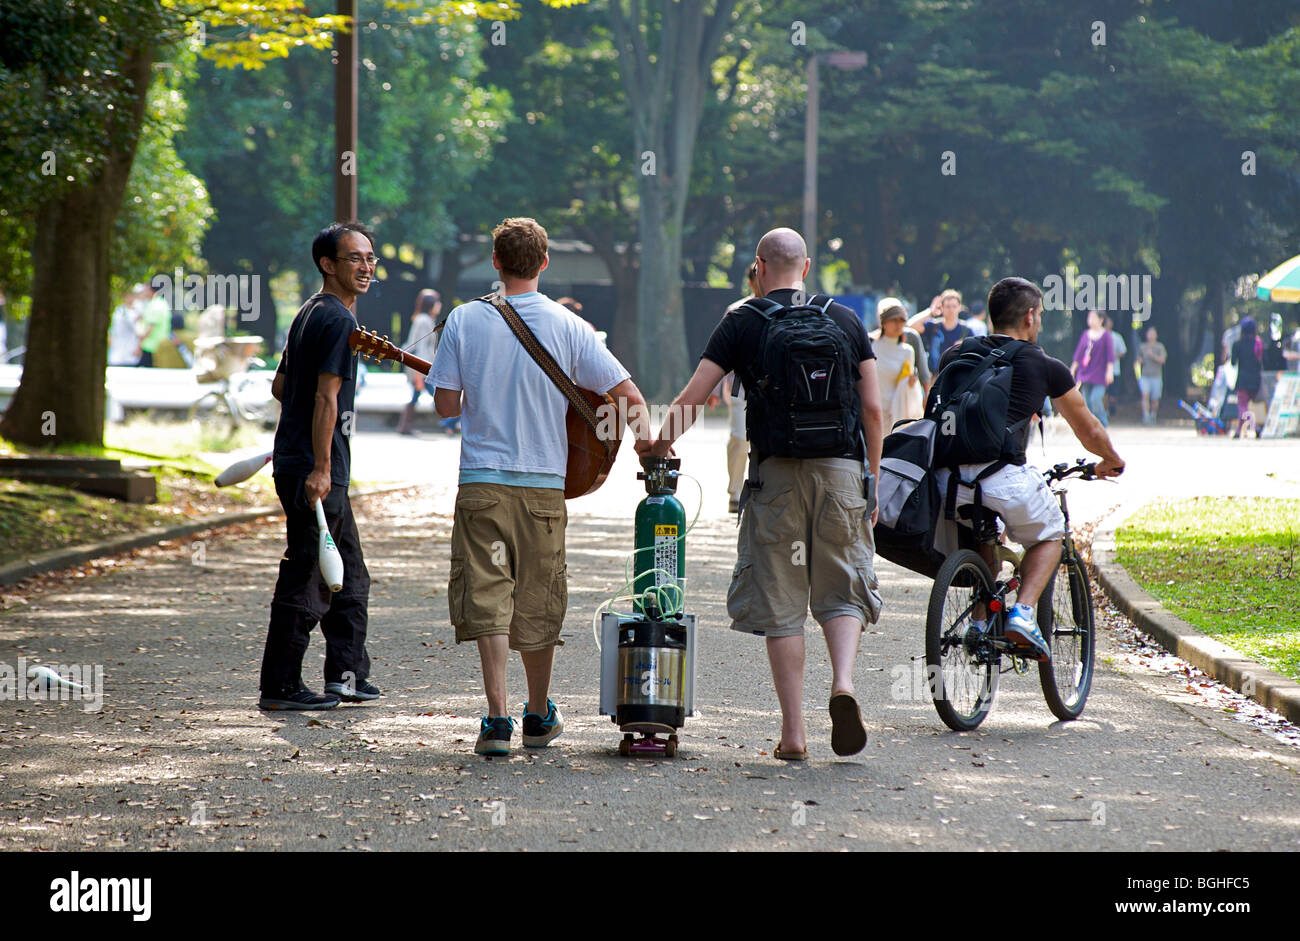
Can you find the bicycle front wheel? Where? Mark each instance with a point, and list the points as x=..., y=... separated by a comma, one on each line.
x=962, y=668
x=1065, y=617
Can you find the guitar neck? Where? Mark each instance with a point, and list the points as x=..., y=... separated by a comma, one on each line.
x=376, y=347
x=421, y=366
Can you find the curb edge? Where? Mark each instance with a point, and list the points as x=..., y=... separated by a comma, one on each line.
x=1266, y=687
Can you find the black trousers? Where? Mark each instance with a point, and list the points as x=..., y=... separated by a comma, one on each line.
x=302, y=599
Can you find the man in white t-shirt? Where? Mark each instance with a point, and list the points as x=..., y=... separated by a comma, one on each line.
x=507, y=588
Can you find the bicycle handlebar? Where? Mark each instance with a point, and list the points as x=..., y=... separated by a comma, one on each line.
x=1079, y=468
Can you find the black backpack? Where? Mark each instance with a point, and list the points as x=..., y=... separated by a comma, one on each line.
x=969, y=402
x=804, y=399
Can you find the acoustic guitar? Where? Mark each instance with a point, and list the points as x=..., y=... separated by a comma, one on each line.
x=591, y=454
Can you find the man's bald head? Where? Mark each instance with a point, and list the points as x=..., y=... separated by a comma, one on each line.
x=784, y=253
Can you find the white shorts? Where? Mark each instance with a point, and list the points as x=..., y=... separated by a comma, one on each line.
x=1018, y=495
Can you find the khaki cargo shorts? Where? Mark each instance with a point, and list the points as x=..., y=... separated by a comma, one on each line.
x=508, y=574
x=805, y=541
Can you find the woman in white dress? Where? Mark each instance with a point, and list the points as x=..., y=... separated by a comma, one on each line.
x=901, y=396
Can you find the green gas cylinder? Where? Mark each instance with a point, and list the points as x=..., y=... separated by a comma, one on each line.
x=660, y=535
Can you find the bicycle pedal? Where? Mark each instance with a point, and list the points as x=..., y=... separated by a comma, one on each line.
x=1026, y=652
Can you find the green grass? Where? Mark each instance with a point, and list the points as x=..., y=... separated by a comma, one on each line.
x=37, y=518
x=1225, y=565
x=177, y=440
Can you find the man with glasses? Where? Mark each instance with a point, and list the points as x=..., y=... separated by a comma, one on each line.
x=316, y=385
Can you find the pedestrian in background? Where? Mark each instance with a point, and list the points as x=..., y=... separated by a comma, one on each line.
x=1094, y=365
x=154, y=324
x=1151, y=362
x=913, y=339
x=901, y=392
x=1247, y=356
x=943, y=334
x=124, y=332
x=1119, y=385
x=421, y=341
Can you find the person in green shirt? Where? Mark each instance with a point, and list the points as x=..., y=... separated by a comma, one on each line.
x=155, y=324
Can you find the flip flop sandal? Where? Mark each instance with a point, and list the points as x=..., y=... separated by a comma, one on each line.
x=848, y=735
x=786, y=754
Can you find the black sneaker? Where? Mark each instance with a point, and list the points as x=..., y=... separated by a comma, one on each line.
x=354, y=691
x=494, y=736
x=539, y=731
x=302, y=699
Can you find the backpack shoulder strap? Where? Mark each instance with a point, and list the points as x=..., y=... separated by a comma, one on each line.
x=1016, y=347
x=765, y=307
x=977, y=497
x=822, y=302
x=1000, y=354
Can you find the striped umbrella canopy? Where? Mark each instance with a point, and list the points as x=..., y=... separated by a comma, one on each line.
x=1282, y=284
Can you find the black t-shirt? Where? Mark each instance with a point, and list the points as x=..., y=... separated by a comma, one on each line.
x=733, y=345
x=1247, y=362
x=1034, y=376
x=317, y=343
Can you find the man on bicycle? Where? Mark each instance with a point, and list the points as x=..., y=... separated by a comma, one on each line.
x=1017, y=493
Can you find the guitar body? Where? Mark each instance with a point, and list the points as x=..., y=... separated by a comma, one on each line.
x=590, y=457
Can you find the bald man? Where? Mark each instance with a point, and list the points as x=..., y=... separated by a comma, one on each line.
x=804, y=533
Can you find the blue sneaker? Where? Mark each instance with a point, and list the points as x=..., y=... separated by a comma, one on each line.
x=494, y=736
x=538, y=732
x=1022, y=629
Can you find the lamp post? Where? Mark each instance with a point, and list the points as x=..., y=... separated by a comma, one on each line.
x=839, y=60
x=345, y=117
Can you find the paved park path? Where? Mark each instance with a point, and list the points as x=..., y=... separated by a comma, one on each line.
x=180, y=757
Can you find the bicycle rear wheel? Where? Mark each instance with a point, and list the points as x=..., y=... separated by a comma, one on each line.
x=1065, y=617
x=962, y=672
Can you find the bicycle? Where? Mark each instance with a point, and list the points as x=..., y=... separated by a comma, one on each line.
x=963, y=666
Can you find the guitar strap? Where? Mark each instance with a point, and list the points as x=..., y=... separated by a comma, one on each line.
x=544, y=359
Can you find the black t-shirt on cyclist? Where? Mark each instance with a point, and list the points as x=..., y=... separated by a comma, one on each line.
x=1034, y=377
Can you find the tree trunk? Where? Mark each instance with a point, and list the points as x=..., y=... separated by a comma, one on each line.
x=1167, y=317
x=449, y=276
x=61, y=397
x=622, y=268
x=661, y=324
x=665, y=92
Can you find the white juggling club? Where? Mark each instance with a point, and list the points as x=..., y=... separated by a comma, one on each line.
x=240, y=471
x=331, y=563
